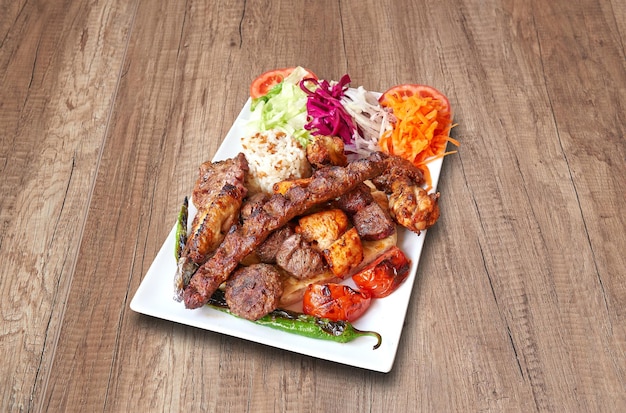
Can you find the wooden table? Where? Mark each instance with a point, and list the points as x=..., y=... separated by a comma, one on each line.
x=107, y=108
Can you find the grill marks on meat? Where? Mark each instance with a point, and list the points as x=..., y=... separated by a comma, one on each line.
x=212, y=222
x=218, y=195
x=326, y=184
x=326, y=150
x=372, y=221
x=398, y=168
x=409, y=204
x=412, y=207
x=355, y=200
x=299, y=258
x=267, y=251
x=254, y=291
x=252, y=203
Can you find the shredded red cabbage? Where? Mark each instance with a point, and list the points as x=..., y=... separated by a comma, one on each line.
x=327, y=115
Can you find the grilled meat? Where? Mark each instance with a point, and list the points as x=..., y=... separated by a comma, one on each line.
x=326, y=184
x=298, y=258
x=398, y=168
x=254, y=291
x=372, y=222
x=324, y=227
x=412, y=207
x=252, y=203
x=266, y=252
x=345, y=253
x=355, y=200
x=409, y=204
x=217, y=195
x=326, y=150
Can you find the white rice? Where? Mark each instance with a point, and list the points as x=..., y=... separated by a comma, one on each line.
x=273, y=156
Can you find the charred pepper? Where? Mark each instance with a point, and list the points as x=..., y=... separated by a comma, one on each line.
x=181, y=229
x=185, y=267
x=302, y=324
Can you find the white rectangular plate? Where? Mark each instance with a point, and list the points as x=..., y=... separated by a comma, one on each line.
x=154, y=297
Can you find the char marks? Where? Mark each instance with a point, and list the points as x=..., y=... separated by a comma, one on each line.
x=326, y=184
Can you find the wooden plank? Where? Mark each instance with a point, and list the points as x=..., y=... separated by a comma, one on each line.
x=60, y=63
x=453, y=302
x=182, y=85
x=537, y=269
x=583, y=64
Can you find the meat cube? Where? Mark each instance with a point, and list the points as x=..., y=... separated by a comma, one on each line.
x=344, y=254
x=355, y=200
x=266, y=252
x=373, y=222
x=324, y=227
x=297, y=257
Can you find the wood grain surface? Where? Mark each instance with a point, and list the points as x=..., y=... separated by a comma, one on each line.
x=107, y=109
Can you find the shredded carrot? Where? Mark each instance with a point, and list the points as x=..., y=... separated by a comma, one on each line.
x=421, y=130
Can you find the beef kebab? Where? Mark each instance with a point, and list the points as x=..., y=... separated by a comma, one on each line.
x=326, y=184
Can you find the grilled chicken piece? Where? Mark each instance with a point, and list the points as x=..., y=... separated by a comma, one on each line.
x=326, y=150
x=323, y=228
x=218, y=196
x=409, y=204
x=345, y=254
x=283, y=186
x=412, y=207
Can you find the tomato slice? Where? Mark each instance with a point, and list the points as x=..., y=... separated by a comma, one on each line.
x=335, y=302
x=409, y=89
x=385, y=274
x=265, y=82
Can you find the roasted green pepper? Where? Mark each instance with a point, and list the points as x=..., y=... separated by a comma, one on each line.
x=181, y=229
x=302, y=324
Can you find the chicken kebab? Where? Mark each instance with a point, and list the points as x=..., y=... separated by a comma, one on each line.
x=232, y=224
